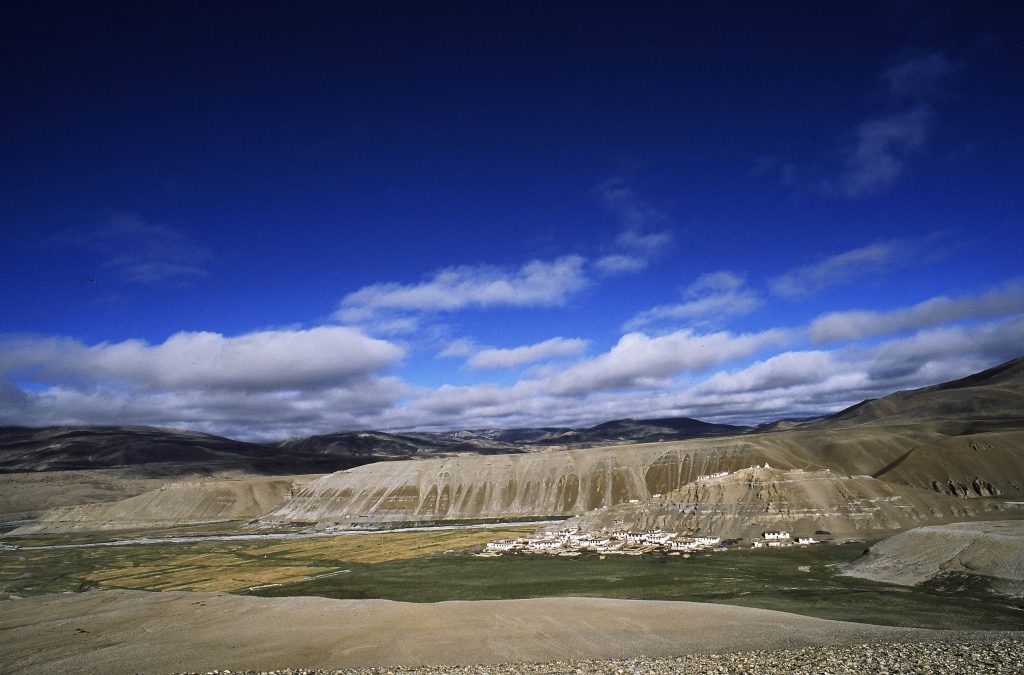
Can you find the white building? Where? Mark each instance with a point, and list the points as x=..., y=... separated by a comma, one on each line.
x=503, y=545
x=777, y=536
x=806, y=540
x=544, y=544
x=719, y=474
x=707, y=541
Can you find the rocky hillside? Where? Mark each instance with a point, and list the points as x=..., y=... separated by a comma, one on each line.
x=993, y=551
x=172, y=505
x=991, y=400
x=541, y=484
x=748, y=502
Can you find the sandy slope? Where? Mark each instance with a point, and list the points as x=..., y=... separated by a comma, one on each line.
x=135, y=631
x=174, y=503
x=994, y=550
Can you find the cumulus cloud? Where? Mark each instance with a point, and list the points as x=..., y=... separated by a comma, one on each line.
x=257, y=384
x=709, y=299
x=557, y=347
x=138, y=251
x=536, y=284
x=858, y=324
x=785, y=370
x=265, y=360
x=817, y=382
x=938, y=354
x=639, y=360
x=842, y=267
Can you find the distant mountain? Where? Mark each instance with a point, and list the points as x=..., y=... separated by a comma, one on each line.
x=987, y=401
x=505, y=441
x=640, y=431
x=379, y=444
x=991, y=400
x=76, y=448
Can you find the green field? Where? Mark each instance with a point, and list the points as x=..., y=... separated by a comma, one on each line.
x=434, y=566
x=766, y=579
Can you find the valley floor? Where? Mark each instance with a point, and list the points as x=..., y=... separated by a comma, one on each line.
x=134, y=631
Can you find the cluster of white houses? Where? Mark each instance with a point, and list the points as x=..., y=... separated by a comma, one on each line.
x=779, y=539
x=572, y=541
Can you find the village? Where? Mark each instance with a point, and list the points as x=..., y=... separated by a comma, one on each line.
x=573, y=542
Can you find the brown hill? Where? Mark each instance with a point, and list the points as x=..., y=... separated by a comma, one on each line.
x=748, y=502
x=175, y=504
x=991, y=400
x=994, y=551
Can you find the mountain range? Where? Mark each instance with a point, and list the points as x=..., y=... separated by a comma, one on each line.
x=916, y=455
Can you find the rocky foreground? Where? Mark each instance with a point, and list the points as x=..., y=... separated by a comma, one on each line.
x=983, y=655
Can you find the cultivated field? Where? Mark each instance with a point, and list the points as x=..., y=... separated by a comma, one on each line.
x=433, y=566
x=44, y=565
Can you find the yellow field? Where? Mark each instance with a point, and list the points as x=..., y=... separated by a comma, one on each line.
x=225, y=565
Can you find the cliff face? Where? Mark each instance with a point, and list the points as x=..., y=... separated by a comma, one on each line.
x=556, y=484
x=185, y=503
x=753, y=500
x=569, y=483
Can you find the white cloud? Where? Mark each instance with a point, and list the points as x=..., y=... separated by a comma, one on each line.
x=881, y=150
x=458, y=349
x=722, y=281
x=536, y=284
x=635, y=213
x=265, y=415
x=620, y=264
x=138, y=251
x=267, y=384
x=644, y=236
x=785, y=370
x=260, y=361
x=882, y=146
x=858, y=324
x=542, y=351
x=838, y=268
x=711, y=298
x=935, y=355
x=920, y=76
x=639, y=360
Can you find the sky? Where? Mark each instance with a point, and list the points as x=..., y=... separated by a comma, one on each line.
x=268, y=220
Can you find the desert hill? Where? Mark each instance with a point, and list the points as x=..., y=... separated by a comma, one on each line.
x=172, y=505
x=750, y=501
x=960, y=439
x=993, y=551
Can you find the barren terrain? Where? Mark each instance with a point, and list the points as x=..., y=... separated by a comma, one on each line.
x=131, y=632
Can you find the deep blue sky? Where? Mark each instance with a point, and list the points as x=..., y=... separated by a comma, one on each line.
x=273, y=219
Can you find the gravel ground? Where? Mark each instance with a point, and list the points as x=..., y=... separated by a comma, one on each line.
x=1002, y=655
